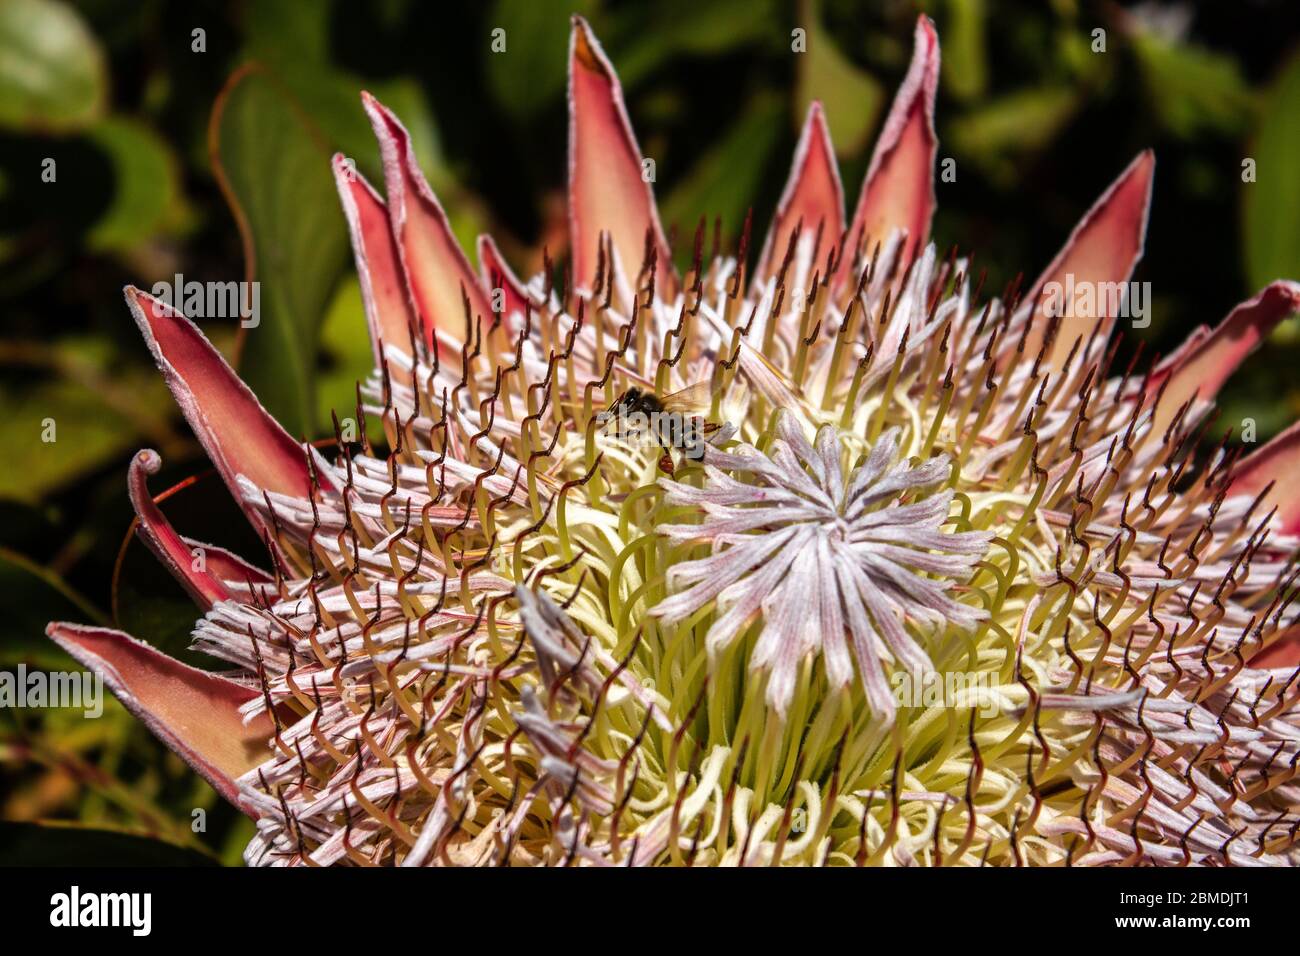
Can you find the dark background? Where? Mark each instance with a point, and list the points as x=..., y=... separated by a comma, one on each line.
x=143, y=134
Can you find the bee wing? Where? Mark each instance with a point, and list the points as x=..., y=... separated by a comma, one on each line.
x=693, y=399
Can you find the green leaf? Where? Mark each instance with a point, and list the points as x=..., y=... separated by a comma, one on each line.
x=275, y=164
x=50, y=844
x=1269, y=403
x=641, y=39
x=152, y=606
x=30, y=597
x=299, y=26
x=1272, y=202
x=86, y=431
x=851, y=96
x=52, y=73
x=532, y=69
x=1012, y=125
x=345, y=342
x=1192, y=89
x=290, y=37
x=147, y=191
x=964, y=63
x=723, y=181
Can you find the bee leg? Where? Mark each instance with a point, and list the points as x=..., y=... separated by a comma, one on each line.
x=711, y=427
x=666, y=459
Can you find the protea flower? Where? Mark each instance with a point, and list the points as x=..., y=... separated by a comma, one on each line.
x=513, y=639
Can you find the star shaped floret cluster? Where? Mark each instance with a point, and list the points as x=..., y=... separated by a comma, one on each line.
x=841, y=562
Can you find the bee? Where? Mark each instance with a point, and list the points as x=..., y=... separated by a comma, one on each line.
x=675, y=421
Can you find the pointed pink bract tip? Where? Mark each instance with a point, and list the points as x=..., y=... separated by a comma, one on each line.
x=813, y=197
x=898, y=189
x=240, y=436
x=1104, y=247
x=194, y=712
x=431, y=259
x=1202, y=367
x=493, y=267
x=607, y=190
x=1272, y=470
x=390, y=314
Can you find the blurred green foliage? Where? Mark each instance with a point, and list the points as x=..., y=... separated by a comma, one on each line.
x=211, y=159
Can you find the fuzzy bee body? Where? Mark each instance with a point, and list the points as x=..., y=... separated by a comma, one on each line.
x=676, y=421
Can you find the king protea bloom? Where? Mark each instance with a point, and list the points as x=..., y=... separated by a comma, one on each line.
x=944, y=586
